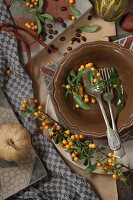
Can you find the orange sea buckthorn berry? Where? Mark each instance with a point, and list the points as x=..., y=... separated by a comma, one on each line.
x=109, y=161
x=86, y=96
x=68, y=87
x=77, y=106
x=89, y=65
x=67, y=146
x=92, y=69
x=36, y=114
x=71, y=143
x=8, y=72
x=114, y=86
x=95, y=80
x=82, y=67
x=26, y=24
x=71, y=1
x=86, y=100
x=40, y=107
x=67, y=132
x=23, y=105
x=81, y=136
x=43, y=117
x=27, y=4
x=73, y=17
x=73, y=155
x=32, y=1
x=31, y=5
x=114, y=176
x=64, y=142
x=93, y=100
x=76, y=158
x=46, y=127
x=35, y=27
x=61, y=145
x=93, y=146
x=76, y=136
x=44, y=123
x=113, y=157
x=110, y=154
x=35, y=100
x=103, y=171
x=35, y=3
x=90, y=145
x=99, y=164
x=98, y=74
x=72, y=137
x=25, y=101
x=113, y=164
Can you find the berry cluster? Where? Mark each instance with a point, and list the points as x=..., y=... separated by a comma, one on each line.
x=31, y=26
x=78, y=145
x=32, y=3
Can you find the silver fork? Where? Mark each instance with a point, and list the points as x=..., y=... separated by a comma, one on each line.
x=108, y=96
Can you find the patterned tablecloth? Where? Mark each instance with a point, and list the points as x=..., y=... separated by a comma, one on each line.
x=16, y=176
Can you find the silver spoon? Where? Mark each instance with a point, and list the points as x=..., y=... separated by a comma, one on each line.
x=113, y=140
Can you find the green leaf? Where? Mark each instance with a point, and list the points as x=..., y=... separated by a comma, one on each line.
x=70, y=81
x=90, y=168
x=75, y=11
x=89, y=29
x=41, y=3
x=48, y=17
x=90, y=75
x=70, y=150
x=67, y=92
x=80, y=102
x=86, y=162
x=80, y=73
x=121, y=99
x=39, y=26
x=72, y=73
x=41, y=18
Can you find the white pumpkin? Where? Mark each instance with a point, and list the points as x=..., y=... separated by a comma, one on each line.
x=15, y=142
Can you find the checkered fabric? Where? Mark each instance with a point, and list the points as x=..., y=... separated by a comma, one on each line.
x=62, y=184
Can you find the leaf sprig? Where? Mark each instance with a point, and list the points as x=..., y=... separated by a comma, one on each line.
x=79, y=146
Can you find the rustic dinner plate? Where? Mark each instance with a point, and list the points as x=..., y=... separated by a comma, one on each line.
x=102, y=54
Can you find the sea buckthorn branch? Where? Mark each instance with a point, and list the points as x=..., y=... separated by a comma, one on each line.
x=74, y=86
x=79, y=146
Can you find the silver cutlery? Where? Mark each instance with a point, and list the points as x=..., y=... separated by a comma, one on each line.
x=96, y=92
x=108, y=96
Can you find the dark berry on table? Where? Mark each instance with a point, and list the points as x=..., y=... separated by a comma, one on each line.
x=62, y=39
x=55, y=32
x=49, y=51
x=78, y=30
x=73, y=39
x=50, y=36
x=53, y=47
x=50, y=31
x=69, y=48
x=65, y=54
x=78, y=35
x=89, y=17
x=78, y=40
x=83, y=38
x=49, y=25
x=63, y=8
x=60, y=20
x=63, y=24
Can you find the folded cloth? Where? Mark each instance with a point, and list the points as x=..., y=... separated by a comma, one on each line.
x=62, y=183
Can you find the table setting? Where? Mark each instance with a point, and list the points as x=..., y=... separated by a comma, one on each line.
x=66, y=78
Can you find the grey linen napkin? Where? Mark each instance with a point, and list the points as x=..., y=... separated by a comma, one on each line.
x=62, y=183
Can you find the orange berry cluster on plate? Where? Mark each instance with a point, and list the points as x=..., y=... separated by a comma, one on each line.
x=32, y=3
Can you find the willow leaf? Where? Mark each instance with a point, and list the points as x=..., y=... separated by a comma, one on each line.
x=41, y=3
x=48, y=16
x=89, y=29
x=75, y=11
x=39, y=26
x=80, y=102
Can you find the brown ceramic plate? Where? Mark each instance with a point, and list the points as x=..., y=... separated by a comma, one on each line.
x=102, y=54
